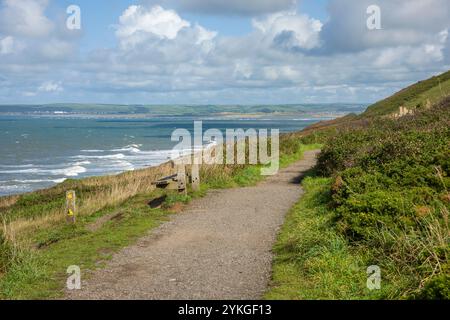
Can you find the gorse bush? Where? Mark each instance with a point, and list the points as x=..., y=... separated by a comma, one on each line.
x=391, y=194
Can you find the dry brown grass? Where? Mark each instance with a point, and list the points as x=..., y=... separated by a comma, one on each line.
x=8, y=201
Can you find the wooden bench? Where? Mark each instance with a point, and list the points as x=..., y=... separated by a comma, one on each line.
x=179, y=180
x=166, y=182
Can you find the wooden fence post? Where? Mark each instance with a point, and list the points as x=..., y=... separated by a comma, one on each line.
x=195, y=177
x=181, y=178
x=71, y=206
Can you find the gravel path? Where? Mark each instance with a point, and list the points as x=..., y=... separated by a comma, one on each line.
x=218, y=248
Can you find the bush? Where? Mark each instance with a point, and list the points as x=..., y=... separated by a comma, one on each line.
x=390, y=194
x=436, y=288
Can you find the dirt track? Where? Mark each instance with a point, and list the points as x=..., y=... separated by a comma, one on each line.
x=218, y=248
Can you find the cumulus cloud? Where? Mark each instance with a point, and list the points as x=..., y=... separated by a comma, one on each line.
x=155, y=20
x=28, y=36
x=233, y=7
x=162, y=57
x=139, y=24
x=289, y=30
x=25, y=18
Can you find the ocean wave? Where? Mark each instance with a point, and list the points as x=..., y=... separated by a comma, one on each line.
x=17, y=166
x=122, y=164
x=71, y=171
x=37, y=180
x=127, y=149
x=9, y=189
x=110, y=156
x=82, y=163
x=135, y=148
x=34, y=170
x=93, y=151
x=26, y=177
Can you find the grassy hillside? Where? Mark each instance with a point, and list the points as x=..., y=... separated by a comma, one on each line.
x=414, y=96
x=380, y=195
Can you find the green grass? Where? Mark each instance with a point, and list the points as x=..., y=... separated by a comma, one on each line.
x=291, y=150
x=41, y=273
x=288, y=158
x=434, y=89
x=312, y=261
x=383, y=200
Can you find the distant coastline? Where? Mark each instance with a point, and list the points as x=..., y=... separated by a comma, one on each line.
x=332, y=110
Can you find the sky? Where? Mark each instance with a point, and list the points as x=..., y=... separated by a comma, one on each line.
x=218, y=52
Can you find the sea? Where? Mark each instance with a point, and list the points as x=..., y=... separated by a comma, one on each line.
x=38, y=152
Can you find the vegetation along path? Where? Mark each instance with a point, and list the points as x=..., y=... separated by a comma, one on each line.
x=218, y=248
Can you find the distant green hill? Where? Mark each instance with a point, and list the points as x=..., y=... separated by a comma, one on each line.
x=414, y=96
x=185, y=110
x=420, y=95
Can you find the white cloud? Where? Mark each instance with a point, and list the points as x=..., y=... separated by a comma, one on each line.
x=50, y=86
x=204, y=35
x=29, y=37
x=25, y=18
x=137, y=21
x=290, y=30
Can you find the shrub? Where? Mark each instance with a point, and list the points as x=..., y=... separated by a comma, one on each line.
x=390, y=194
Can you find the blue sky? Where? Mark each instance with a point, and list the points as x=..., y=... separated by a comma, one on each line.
x=220, y=52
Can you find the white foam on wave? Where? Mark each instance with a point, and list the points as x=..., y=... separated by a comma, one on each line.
x=17, y=166
x=93, y=151
x=69, y=172
x=130, y=148
x=15, y=188
x=34, y=170
x=110, y=156
x=38, y=180
x=122, y=166
x=82, y=163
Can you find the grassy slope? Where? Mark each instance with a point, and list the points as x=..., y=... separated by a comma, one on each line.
x=433, y=89
x=312, y=261
x=35, y=262
x=316, y=256
x=40, y=273
x=414, y=97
